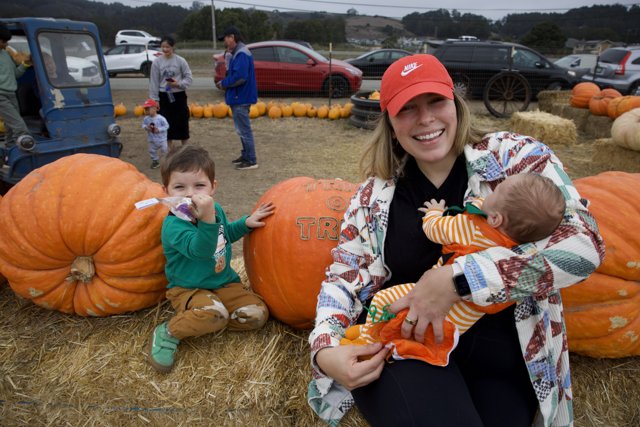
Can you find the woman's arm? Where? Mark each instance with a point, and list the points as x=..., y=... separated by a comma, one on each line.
x=154, y=81
x=537, y=269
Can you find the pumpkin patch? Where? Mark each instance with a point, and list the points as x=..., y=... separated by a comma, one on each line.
x=603, y=312
x=286, y=259
x=73, y=241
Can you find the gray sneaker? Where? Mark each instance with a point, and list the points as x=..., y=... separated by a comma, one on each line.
x=246, y=165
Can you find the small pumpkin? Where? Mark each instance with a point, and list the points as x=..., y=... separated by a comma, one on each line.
x=287, y=110
x=275, y=112
x=73, y=241
x=603, y=312
x=581, y=94
x=220, y=110
x=208, y=111
x=334, y=113
x=286, y=260
x=299, y=109
x=197, y=111
x=625, y=130
x=119, y=110
x=312, y=112
x=254, y=112
x=138, y=110
x=323, y=112
x=599, y=103
x=262, y=108
x=627, y=103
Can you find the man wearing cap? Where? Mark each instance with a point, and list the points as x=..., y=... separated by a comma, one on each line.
x=240, y=92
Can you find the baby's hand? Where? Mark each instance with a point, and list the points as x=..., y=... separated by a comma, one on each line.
x=433, y=204
x=263, y=211
x=204, y=209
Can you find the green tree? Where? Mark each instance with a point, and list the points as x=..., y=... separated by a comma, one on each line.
x=545, y=36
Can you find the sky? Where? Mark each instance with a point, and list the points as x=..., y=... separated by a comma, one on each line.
x=492, y=9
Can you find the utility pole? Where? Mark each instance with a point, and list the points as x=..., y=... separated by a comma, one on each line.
x=213, y=26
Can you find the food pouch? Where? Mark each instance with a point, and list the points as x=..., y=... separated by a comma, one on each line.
x=182, y=207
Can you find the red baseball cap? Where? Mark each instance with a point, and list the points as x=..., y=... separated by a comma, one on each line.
x=411, y=76
x=150, y=103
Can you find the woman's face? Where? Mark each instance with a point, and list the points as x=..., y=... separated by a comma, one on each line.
x=167, y=49
x=426, y=128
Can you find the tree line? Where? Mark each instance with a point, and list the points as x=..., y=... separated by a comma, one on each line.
x=617, y=23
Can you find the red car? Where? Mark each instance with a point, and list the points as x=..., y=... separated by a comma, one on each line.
x=283, y=66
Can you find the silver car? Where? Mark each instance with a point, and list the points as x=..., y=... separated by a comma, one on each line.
x=618, y=68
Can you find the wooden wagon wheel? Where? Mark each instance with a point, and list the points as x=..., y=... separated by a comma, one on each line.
x=505, y=93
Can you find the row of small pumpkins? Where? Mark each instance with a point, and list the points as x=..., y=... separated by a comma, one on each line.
x=606, y=102
x=272, y=109
x=69, y=255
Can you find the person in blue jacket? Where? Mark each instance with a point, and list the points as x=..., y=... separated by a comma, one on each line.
x=240, y=92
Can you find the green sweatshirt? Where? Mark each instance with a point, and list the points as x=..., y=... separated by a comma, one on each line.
x=9, y=72
x=199, y=255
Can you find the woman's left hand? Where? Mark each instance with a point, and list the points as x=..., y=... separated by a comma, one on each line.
x=428, y=303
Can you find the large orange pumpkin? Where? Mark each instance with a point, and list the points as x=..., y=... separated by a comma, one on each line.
x=73, y=241
x=286, y=260
x=603, y=312
x=581, y=94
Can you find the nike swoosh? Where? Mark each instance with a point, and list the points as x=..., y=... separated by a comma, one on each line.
x=406, y=72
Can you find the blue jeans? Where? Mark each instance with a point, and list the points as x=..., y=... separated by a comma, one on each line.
x=243, y=128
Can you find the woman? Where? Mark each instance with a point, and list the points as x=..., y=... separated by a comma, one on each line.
x=426, y=148
x=170, y=77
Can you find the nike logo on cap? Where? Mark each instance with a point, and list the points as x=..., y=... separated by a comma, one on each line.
x=410, y=68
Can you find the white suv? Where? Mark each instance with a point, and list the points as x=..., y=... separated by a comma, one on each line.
x=136, y=36
x=130, y=58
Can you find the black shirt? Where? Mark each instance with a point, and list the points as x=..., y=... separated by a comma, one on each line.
x=408, y=252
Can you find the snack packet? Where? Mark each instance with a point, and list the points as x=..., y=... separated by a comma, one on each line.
x=182, y=207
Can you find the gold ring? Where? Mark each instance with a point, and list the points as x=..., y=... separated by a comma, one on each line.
x=410, y=321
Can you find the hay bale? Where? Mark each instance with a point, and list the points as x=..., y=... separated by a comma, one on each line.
x=546, y=127
x=59, y=369
x=578, y=115
x=547, y=98
x=609, y=156
x=598, y=126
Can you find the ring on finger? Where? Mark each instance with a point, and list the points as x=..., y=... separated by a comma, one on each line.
x=412, y=322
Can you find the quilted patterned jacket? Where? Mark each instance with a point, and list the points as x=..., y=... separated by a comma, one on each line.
x=531, y=274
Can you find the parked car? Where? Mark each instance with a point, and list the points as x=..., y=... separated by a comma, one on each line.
x=618, y=68
x=374, y=64
x=136, y=36
x=130, y=58
x=82, y=70
x=579, y=63
x=283, y=66
x=473, y=63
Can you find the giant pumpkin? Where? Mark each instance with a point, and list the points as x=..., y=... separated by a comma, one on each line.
x=603, y=312
x=286, y=260
x=73, y=241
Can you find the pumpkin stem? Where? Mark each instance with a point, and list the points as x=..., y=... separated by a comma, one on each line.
x=82, y=269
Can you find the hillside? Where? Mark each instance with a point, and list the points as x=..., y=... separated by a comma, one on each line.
x=373, y=27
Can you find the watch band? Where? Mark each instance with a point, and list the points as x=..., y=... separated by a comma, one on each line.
x=460, y=282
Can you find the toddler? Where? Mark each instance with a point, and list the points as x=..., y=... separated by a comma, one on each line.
x=156, y=127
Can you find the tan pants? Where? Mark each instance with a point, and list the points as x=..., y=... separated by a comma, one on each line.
x=203, y=311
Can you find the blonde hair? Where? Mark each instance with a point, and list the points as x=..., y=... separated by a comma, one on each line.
x=384, y=157
x=533, y=208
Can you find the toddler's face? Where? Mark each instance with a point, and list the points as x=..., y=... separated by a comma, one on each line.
x=151, y=111
x=188, y=184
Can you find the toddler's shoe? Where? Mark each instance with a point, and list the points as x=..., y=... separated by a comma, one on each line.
x=155, y=164
x=162, y=349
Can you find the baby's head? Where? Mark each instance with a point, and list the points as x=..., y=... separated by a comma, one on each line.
x=191, y=164
x=527, y=207
x=151, y=107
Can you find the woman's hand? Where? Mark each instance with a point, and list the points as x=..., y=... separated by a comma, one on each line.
x=343, y=364
x=428, y=303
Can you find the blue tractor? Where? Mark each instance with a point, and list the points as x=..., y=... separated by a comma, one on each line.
x=65, y=97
